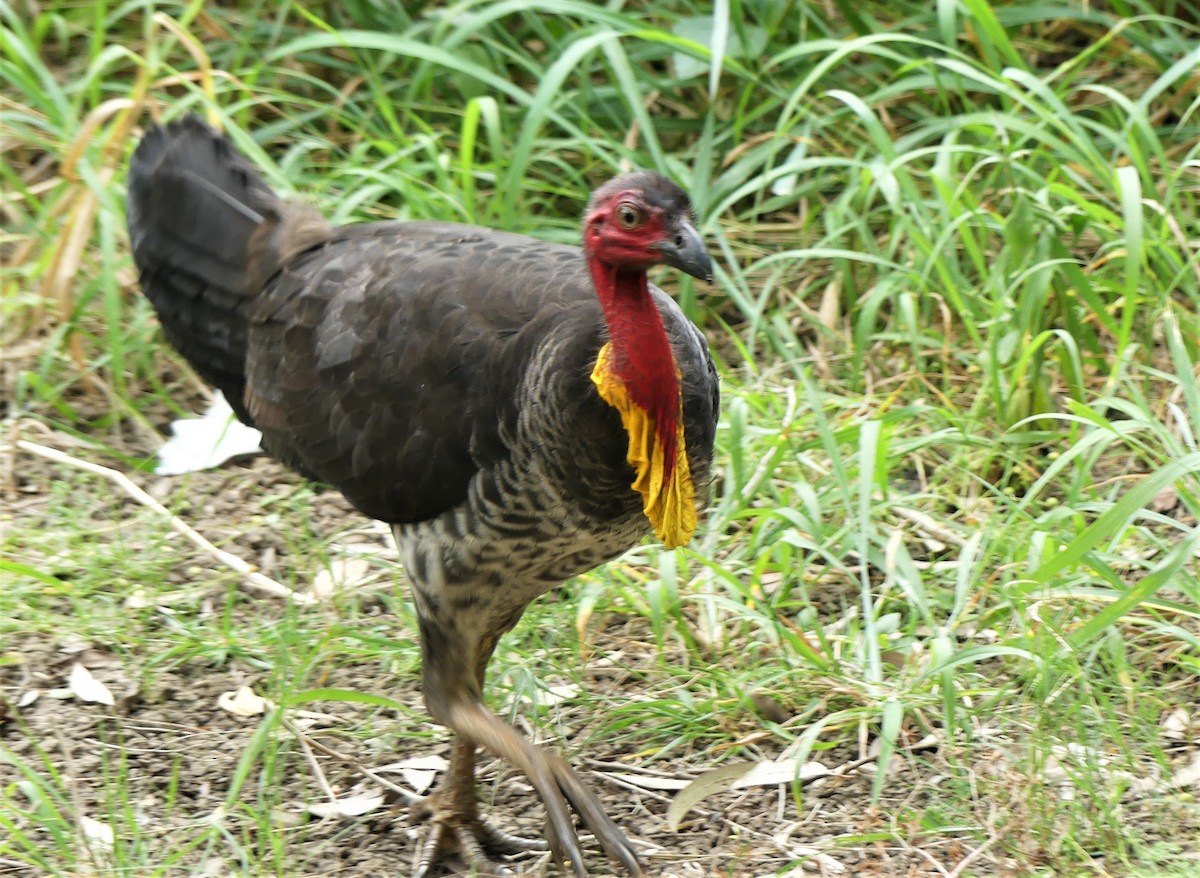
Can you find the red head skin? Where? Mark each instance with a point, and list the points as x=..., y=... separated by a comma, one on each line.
x=618, y=233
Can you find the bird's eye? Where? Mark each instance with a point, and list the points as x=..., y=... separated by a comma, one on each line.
x=628, y=215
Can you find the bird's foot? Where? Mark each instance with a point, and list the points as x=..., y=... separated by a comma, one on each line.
x=560, y=788
x=457, y=829
x=563, y=841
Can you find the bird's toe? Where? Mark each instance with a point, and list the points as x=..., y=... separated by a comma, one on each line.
x=462, y=833
x=588, y=807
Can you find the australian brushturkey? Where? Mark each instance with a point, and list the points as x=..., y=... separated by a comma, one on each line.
x=518, y=411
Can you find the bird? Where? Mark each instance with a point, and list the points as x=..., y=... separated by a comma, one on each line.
x=517, y=411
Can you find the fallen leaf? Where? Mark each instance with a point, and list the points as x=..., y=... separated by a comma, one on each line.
x=1165, y=500
x=767, y=774
x=350, y=806
x=140, y=598
x=738, y=776
x=769, y=708
x=137, y=600
x=929, y=742
x=92, y=658
x=285, y=819
x=552, y=696
x=716, y=781
x=206, y=442
x=1067, y=764
x=418, y=780
x=73, y=644
x=419, y=772
x=432, y=762
x=243, y=702
x=341, y=573
x=97, y=833
x=650, y=781
x=1176, y=725
x=1188, y=776
x=85, y=687
x=828, y=865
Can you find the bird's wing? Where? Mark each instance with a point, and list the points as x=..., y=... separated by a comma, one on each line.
x=388, y=361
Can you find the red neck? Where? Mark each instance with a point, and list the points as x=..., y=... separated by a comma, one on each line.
x=641, y=351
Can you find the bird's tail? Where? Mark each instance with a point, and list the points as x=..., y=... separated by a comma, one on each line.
x=207, y=233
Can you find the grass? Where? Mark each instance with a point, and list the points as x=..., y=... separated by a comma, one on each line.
x=956, y=309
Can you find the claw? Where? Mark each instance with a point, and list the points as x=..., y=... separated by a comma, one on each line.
x=428, y=852
x=497, y=839
x=457, y=827
x=453, y=810
x=560, y=788
x=472, y=848
x=473, y=838
x=584, y=801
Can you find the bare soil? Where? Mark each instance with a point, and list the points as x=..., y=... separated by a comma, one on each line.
x=177, y=754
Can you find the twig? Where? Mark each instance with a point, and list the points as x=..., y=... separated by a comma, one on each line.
x=930, y=525
x=303, y=740
x=8, y=466
x=972, y=857
x=250, y=576
x=938, y=867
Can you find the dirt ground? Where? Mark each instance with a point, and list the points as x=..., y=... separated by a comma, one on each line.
x=175, y=736
x=173, y=744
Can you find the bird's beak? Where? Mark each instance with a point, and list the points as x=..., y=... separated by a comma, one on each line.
x=683, y=249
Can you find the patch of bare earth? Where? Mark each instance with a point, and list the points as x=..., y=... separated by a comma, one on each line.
x=178, y=752
x=165, y=754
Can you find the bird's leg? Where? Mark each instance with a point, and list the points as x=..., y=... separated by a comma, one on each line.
x=556, y=783
x=455, y=822
x=453, y=811
x=453, y=695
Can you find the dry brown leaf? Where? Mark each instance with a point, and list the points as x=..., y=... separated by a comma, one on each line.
x=716, y=781
x=92, y=658
x=769, y=708
x=829, y=311
x=1165, y=500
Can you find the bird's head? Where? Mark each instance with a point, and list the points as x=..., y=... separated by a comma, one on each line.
x=643, y=219
x=632, y=222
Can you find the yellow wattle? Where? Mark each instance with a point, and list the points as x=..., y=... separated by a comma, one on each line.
x=669, y=504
